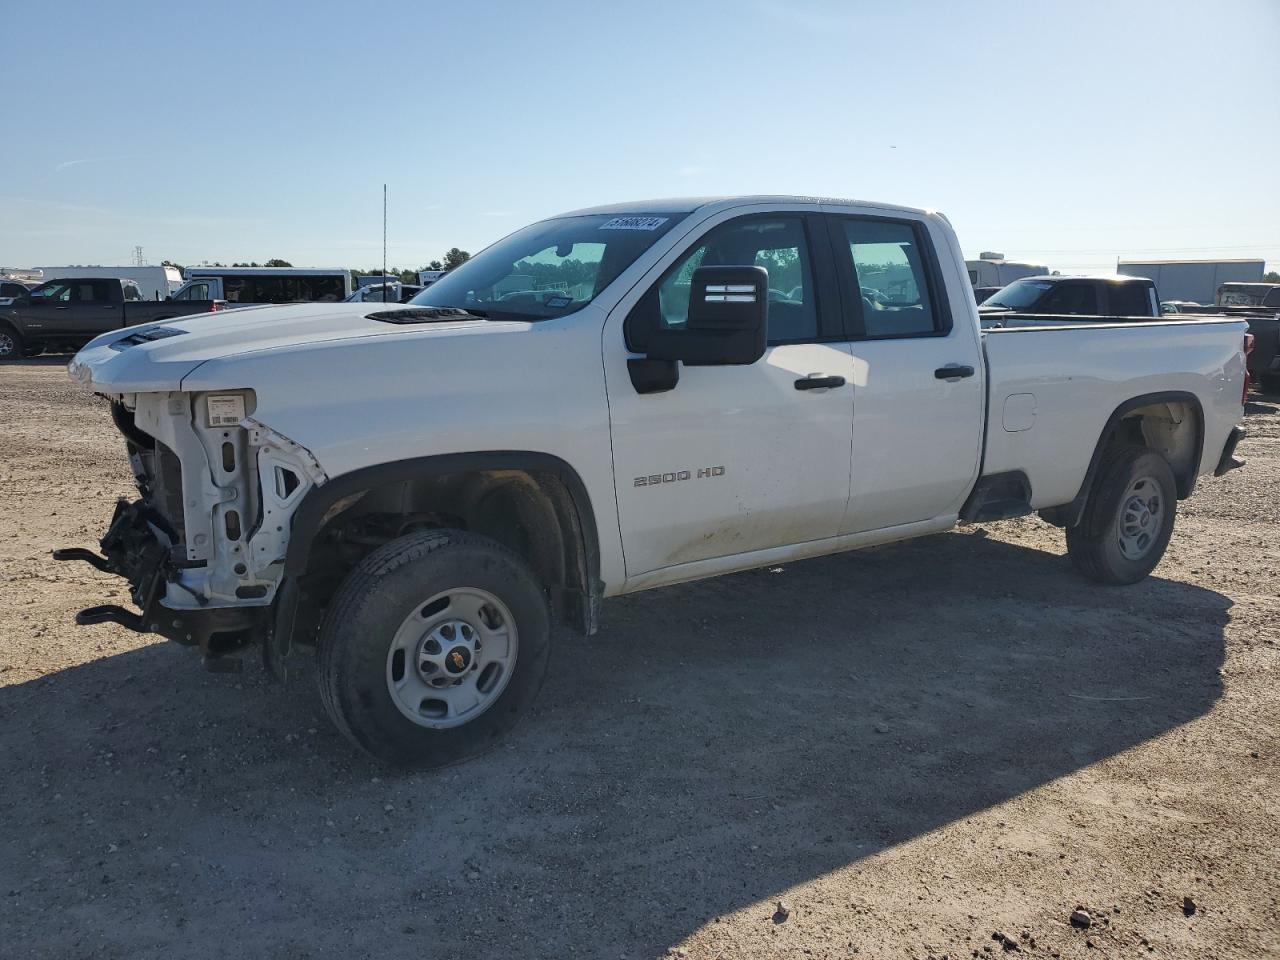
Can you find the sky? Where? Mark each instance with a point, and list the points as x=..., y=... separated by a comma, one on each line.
x=1069, y=133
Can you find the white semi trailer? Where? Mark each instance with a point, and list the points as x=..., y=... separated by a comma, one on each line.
x=1193, y=280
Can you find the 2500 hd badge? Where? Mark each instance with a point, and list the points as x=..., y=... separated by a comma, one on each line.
x=656, y=478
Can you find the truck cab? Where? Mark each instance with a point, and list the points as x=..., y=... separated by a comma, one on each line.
x=1077, y=296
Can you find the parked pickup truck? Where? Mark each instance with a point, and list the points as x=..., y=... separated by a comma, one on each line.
x=1079, y=296
x=66, y=314
x=608, y=401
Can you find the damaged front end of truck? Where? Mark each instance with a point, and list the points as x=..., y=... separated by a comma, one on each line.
x=203, y=546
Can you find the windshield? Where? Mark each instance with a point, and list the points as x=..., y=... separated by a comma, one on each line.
x=1018, y=295
x=548, y=269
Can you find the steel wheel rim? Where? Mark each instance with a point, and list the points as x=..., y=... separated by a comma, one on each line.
x=452, y=657
x=7, y=346
x=1141, y=518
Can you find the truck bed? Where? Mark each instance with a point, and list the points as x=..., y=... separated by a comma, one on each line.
x=1054, y=384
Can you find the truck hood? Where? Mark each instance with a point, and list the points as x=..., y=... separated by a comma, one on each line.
x=158, y=356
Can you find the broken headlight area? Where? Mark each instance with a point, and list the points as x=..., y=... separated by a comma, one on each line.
x=203, y=548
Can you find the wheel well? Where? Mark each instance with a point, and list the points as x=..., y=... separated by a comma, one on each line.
x=537, y=513
x=1171, y=428
x=1172, y=424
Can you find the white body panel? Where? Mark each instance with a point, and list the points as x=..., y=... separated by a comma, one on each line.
x=155, y=283
x=892, y=454
x=1077, y=375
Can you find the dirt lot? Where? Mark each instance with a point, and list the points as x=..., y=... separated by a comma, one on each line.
x=915, y=747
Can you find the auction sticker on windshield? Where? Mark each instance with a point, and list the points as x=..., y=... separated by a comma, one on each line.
x=633, y=223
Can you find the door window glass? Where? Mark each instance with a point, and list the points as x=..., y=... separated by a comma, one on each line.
x=60, y=292
x=1129, y=299
x=1070, y=298
x=892, y=283
x=775, y=243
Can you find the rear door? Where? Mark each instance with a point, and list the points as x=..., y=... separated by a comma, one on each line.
x=918, y=381
x=96, y=306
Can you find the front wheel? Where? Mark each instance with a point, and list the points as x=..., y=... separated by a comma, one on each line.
x=1129, y=517
x=11, y=346
x=432, y=648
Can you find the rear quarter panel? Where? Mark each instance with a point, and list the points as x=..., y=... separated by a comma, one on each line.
x=1068, y=380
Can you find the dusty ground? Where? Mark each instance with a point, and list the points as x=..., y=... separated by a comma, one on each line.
x=915, y=747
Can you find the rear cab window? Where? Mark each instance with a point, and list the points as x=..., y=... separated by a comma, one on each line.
x=889, y=278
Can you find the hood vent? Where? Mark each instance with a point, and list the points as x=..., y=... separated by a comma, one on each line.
x=145, y=336
x=423, y=315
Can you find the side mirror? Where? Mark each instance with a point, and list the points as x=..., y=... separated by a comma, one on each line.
x=728, y=314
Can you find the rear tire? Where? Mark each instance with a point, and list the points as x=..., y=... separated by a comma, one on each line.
x=433, y=647
x=1129, y=518
x=11, y=345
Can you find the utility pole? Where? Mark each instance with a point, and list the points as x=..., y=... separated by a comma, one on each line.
x=384, y=243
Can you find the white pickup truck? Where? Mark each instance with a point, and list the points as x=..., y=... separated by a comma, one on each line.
x=607, y=401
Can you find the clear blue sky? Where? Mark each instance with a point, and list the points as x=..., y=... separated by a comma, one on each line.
x=1068, y=132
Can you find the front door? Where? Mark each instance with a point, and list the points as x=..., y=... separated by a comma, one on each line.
x=918, y=392
x=735, y=459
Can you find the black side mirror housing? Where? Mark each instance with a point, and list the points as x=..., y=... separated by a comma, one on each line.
x=728, y=316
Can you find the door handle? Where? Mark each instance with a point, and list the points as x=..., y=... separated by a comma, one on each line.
x=62, y=308
x=953, y=371
x=818, y=382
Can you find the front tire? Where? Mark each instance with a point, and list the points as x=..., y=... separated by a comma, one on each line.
x=432, y=648
x=1129, y=518
x=11, y=345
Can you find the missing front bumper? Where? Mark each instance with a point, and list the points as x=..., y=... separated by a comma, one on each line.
x=137, y=547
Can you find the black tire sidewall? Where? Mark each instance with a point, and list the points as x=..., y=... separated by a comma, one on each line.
x=18, y=344
x=1103, y=520
x=370, y=607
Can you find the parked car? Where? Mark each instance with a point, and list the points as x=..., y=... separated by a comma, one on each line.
x=249, y=286
x=677, y=390
x=385, y=293
x=1080, y=296
x=62, y=315
x=1248, y=295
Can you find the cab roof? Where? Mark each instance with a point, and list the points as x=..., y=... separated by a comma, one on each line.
x=690, y=204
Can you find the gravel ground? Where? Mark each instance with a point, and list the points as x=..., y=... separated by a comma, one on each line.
x=916, y=748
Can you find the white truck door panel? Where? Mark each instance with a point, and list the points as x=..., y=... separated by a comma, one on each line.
x=917, y=433
x=916, y=439
x=735, y=458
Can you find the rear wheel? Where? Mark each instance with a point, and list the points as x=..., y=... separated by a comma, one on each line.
x=432, y=648
x=11, y=346
x=1129, y=517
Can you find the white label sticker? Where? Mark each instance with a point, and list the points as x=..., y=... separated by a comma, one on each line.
x=633, y=223
x=226, y=411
